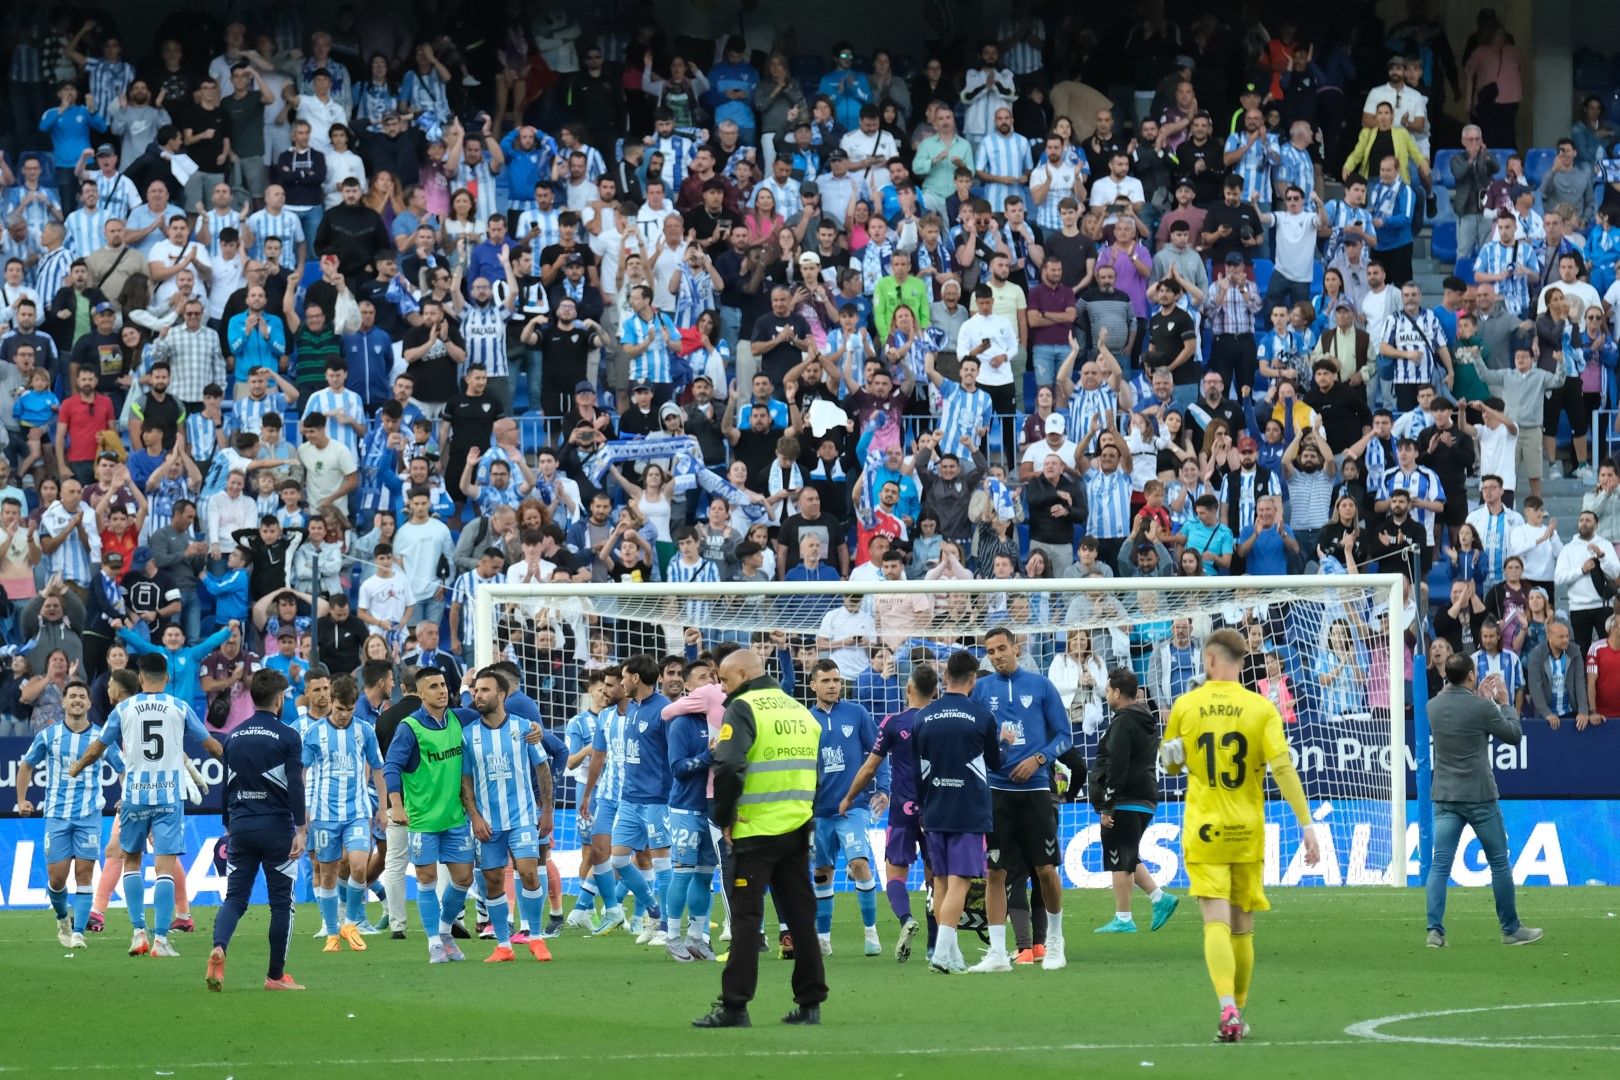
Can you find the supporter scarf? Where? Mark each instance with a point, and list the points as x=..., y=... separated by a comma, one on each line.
x=638, y=450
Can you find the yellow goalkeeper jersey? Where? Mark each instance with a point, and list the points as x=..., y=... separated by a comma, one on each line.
x=1229, y=734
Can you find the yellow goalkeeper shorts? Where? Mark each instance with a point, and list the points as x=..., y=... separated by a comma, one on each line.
x=1241, y=884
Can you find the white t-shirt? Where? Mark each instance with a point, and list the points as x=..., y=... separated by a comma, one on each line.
x=1037, y=452
x=839, y=623
x=167, y=252
x=650, y=222
x=1579, y=294
x=1496, y=446
x=1107, y=189
x=385, y=598
x=324, y=470
x=1296, y=245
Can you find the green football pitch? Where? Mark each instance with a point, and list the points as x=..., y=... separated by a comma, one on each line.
x=1343, y=988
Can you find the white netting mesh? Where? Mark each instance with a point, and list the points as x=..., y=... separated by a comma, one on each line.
x=1320, y=650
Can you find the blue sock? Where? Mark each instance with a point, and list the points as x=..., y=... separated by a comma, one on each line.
x=532, y=902
x=587, y=895
x=341, y=891
x=455, y=905
x=608, y=886
x=680, y=884
x=500, y=919
x=355, y=910
x=866, y=896
x=58, y=899
x=824, y=909
x=377, y=887
x=427, y=906
x=621, y=889
x=699, y=902
x=135, y=897
x=663, y=873
x=163, y=904
x=81, y=908
x=636, y=882
x=326, y=900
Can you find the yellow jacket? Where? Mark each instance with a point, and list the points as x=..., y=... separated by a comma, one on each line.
x=1406, y=153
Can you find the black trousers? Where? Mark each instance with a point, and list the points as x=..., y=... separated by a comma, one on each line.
x=1586, y=625
x=782, y=864
x=1233, y=356
x=252, y=850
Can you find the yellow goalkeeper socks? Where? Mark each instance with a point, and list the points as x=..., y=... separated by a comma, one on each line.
x=1219, y=958
x=1243, y=955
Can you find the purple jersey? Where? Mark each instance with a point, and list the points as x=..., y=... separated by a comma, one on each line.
x=894, y=742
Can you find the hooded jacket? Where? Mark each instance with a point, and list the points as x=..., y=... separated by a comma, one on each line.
x=1125, y=772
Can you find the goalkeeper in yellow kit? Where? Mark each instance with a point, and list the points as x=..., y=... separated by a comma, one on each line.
x=1225, y=737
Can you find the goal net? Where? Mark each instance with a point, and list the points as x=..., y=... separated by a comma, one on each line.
x=1321, y=648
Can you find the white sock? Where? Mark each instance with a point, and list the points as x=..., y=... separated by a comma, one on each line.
x=945, y=944
x=1054, y=925
x=1228, y=1002
x=435, y=939
x=1156, y=895
x=998, y=938
x=1124, y=916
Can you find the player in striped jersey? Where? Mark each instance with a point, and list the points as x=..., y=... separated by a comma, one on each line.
x=507, y=819
x=341, y=758
x=599, y=799
x=484, y=319
x=580, y=732
x=274, y=220
x=72, y=810
x=151, y=729
x=221, y=216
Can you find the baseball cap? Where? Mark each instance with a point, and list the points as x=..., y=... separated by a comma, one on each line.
x=668, y=408
x=810, y=257
x=106, y=149
x=1249, y=88
x=1055, y=424
x=837, y=155
x=115, y=558
x=704, y=378
x=809, y=187
x=576, y=259
x=1235, y=258
x=1247, y=443
x=103, y=307
x=286, y=632
x=640, y=386
x=584, y=387
x=140, y=556
x=1394, y=62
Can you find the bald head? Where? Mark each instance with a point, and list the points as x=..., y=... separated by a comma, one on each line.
x=738, y=669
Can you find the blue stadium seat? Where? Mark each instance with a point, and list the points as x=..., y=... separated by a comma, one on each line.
x=1262, y=274
x=1465, y=270
x=1537, y=162
x=1317, y=271
x=1442, y=168
x=311, y=274
x=1443, y=241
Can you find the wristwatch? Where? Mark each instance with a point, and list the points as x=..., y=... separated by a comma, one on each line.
x=1040, y=759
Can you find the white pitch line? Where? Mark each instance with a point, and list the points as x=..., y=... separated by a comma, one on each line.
x=1371, y=1029
x=696, y=1055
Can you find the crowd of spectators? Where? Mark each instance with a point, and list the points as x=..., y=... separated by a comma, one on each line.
x=317, y=320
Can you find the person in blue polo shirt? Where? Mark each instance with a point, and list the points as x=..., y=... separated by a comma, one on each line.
x=1268, y=546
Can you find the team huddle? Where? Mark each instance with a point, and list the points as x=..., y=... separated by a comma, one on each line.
x=967, y=773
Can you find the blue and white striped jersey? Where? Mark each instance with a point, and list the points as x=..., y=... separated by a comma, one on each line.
x=108, y=79
x=480, y=180
x=1505, y=663
x=1339, y=214
x=284, y=225
x=247, y=414
x=51, y=272
x=151, y=730
x=1496, y=257
x=217, y=221
x=1421, y=333
x=1059, y=181
x=652, y=366
x=961, y=416
x=1420, y=483
x=1254, y=167
x=544, y=225
x=1108, y=503
x=501, y=765
x=338, y=764
x=86, y=231
x=462, y=593
x=1088, y=406
x=678, y=151
x=1295, y=166
x=327, y=402
x=580, y=733
x=695, y=296
x=117, y=194
x=54, y=751
x=1004, y=155
x=483, y=328
x=609, y=739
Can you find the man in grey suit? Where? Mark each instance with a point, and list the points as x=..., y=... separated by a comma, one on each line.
x=1464, y=791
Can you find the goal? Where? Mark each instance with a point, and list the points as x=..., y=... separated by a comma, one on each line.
x=1323, y=648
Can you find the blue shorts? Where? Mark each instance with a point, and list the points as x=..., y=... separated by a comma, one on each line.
x=72, y=838
x=164, y=824
x=331, y=840
x=842, y=832
x=504, y=844
x=453, y=846
x=690, y=842
x=603, y=814
x=641, y=826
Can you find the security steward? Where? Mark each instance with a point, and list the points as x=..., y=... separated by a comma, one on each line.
x=764, y=785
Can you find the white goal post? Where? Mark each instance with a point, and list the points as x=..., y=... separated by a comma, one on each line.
x=1329, y=656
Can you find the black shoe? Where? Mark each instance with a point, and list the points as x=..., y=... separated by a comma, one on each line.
x=458, y=930
x=554, y=924
x=398, y=935
x=723, y=1016
x=805, y=1015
